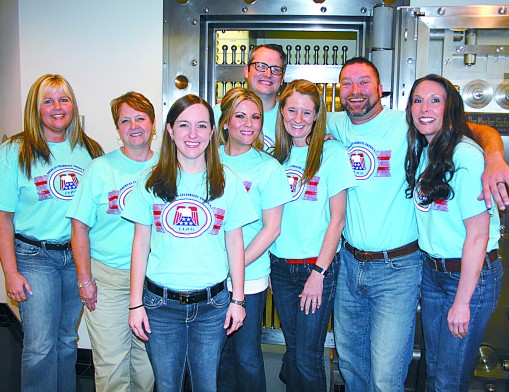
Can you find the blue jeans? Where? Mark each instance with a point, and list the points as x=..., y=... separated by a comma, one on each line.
x=186, y=332
x=304, y=334
x=49, y=319
x=450, y=361
x=374, y=320
x=241, y=368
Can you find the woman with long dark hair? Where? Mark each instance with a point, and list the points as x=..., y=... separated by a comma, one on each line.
x=305, y=258
x=41, y=169
x=462, y=274
x=188, y=211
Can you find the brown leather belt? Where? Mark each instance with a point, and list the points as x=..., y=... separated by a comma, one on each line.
x=362, y=255
x=309, y=260
x=454, y=265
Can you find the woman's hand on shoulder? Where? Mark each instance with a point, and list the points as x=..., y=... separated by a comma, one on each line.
x=138, y=321
x=16, y=285
x=234, y=318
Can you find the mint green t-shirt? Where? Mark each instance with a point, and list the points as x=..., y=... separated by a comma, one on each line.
x=266, y=184
x=268, y=129
x=307, y=216
x=442, y=231
x=187, y=244
x=378, y=214
x=40, y=203
x=99, y=201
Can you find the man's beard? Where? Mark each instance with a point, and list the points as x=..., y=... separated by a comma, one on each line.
x=361, y=112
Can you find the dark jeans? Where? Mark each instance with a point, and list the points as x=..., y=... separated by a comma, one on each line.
x=241, y=368
x=304, y=333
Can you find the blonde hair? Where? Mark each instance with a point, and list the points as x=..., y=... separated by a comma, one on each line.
x=315, y=139
x=229, y=104
x=34, y=146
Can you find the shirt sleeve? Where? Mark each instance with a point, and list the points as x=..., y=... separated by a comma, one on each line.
x=9, y=192
x=139, y=204
x=85, y=202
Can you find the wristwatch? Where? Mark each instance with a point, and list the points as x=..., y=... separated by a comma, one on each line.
x=319, y=269
x=236, y=302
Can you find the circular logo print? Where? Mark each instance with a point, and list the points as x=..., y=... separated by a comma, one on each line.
x=64, y=182
x=363, y=161
x=419, y=197
x=186, y=218
x=294, y=180
x=123, y=196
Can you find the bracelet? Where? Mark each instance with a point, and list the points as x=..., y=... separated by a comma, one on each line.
x=86, y=283
x=136, y=307
x=319, y=269
x=237, y=302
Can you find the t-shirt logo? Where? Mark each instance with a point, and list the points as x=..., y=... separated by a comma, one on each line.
x=60, y=182
x=363, y=160
x=117, y=200
x=68, y=181
x=184, y=218
x=419, y=199
x=294, y=177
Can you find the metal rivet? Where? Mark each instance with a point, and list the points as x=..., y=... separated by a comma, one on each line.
x=502, y=10
x=284, y=9
x=364, y=10
x=194, y=21
x=441, y=11
x=206, y=10
x=323, y=10
x=244, y=9
x=194, y=63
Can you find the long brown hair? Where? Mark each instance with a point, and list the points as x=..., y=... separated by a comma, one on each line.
x=164, y=176
x=229, y=104
x=34, y=146
x=315, y=139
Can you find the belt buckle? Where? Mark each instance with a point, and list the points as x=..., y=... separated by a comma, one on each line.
x=368, y=256
x=184, y=298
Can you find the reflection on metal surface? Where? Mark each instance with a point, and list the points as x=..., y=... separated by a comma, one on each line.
x=487, y=360
x=181, y=82
x=502, y=95
x=477, y=94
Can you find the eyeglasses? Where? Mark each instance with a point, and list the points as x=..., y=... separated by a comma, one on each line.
x=262, y=67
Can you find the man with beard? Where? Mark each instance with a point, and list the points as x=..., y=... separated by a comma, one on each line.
x=264, y=72
x=381, y=264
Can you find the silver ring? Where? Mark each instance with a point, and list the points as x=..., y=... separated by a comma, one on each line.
x=500, y=182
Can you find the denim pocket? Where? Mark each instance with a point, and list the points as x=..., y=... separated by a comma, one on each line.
x=413, y=260
x=23, y=249
x=221, y=300
x=151, y=300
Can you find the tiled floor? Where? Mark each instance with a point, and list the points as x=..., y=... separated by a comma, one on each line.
x=10, y=359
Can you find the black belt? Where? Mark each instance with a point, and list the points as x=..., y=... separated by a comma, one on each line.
x=362, y=255
x=454, y=265
x=187, y=297
x=43, y=244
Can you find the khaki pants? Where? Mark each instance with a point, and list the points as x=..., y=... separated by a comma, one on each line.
x=120, y=359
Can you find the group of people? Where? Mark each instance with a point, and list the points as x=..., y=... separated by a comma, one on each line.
x=172, y=254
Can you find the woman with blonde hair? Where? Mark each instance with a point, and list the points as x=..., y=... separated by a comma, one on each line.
x=188, y=211
x=241, y=139
x=101, y=243
x=42, y=167
x=305, y=258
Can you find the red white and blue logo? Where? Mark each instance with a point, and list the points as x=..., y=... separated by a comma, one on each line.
x=63, y=182
x=419, y=198
x=294, y=177
x=186, y=218
x=363, y=160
